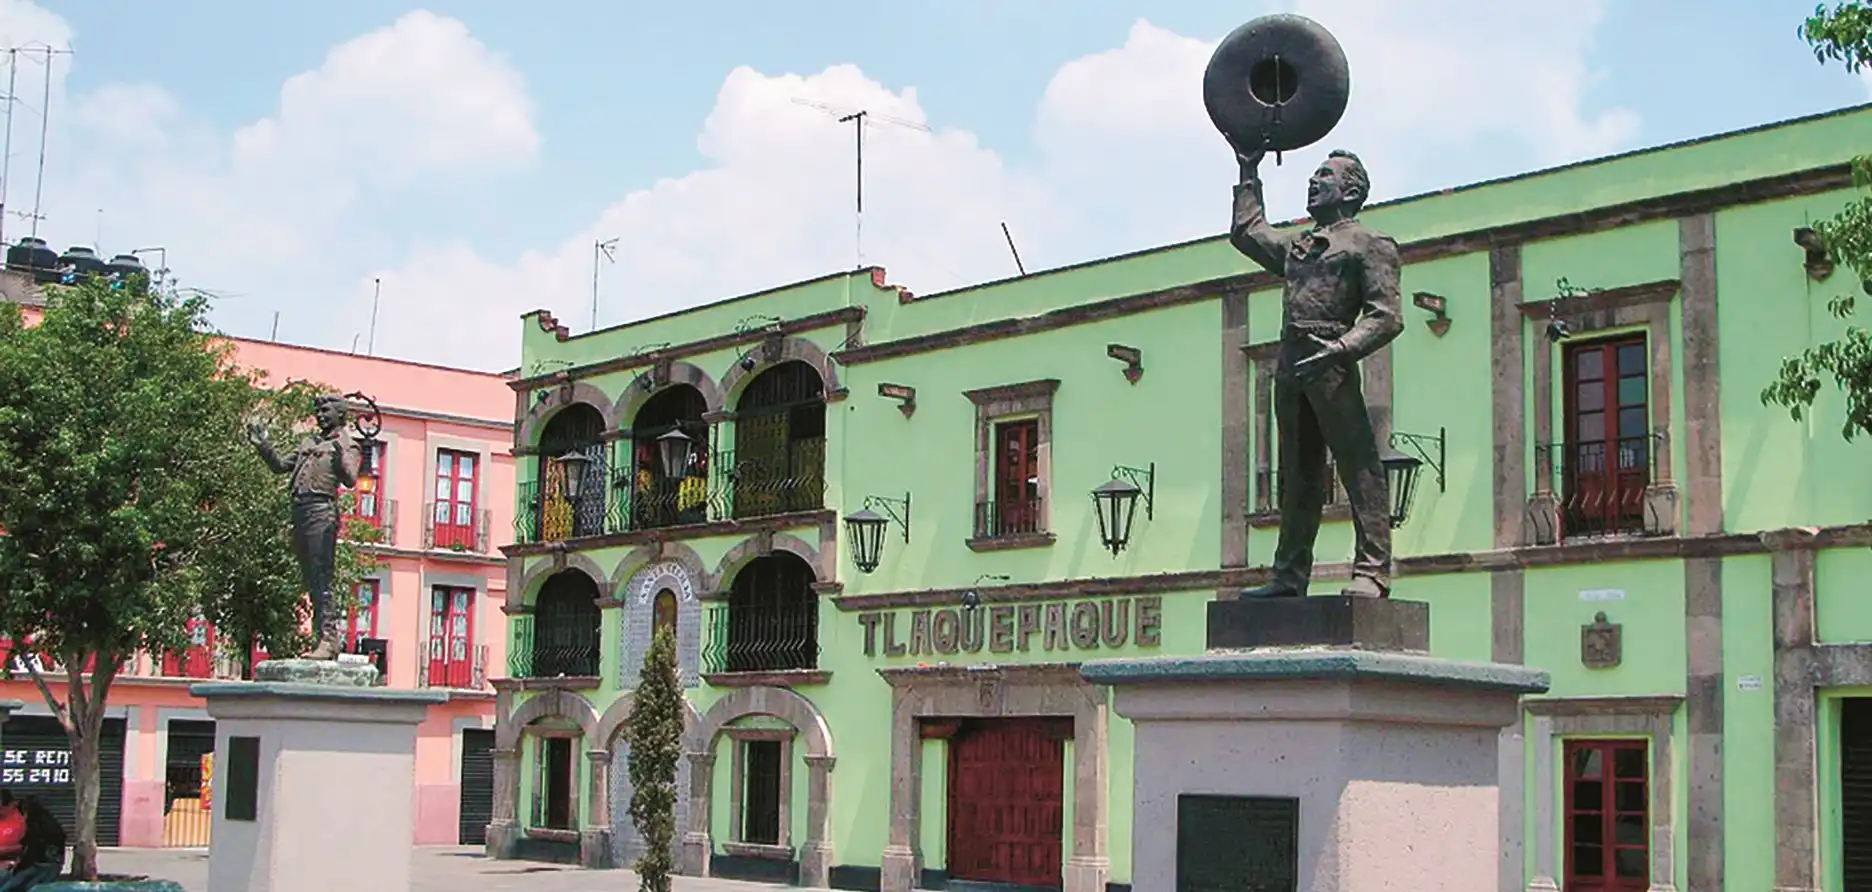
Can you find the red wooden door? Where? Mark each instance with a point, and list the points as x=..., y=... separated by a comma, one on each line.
x=1017, y=477
x=1006, y=802
x=1608, y=831
x=454, y=519
x=451, y=627
x=1608, y=460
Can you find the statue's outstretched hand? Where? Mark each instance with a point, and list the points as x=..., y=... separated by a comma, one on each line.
x=257, y=433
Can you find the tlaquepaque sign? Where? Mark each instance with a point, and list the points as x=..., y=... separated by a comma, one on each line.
x=1084, y=625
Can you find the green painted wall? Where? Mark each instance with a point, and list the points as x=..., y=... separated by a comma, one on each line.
x=1748, y=724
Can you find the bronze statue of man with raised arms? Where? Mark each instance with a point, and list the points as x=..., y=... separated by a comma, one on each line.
x=1340, y=306
x=320, y=466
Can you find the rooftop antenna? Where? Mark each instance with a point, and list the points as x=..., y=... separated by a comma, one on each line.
x=1013, y=250
x=45, y=124
x=275, y=338
x=859, y=118
x=603, y=249
x=370, y=346
x=6, y=151
x=354, y=340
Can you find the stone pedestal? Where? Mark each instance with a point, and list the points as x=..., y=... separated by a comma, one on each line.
x=314, y=785
x=8, y=707
x=1357, y=766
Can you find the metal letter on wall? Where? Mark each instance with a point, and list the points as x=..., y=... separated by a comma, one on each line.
x=1600, y=646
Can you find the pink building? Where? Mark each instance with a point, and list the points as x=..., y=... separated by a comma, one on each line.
x=443, y=494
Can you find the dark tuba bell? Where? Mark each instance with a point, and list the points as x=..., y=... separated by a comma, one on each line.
x=1277, y=83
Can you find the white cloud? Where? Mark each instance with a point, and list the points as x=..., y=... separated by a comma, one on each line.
x=1127, y=161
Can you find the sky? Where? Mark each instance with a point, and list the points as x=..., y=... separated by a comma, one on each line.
x=464, y=157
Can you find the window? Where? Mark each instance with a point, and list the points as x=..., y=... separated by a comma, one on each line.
x=547, y=511
x=564, y=629
x=1607, y=816
x=454, y=510
x=553, y=795
x=663, y=613
x=198, y=660
x=361, y=614
x=367, y=496
x=771, y=620
x=451, y=637
x=1608, y=452
x=779, y=435
x=761, y=794
x=1016, y=506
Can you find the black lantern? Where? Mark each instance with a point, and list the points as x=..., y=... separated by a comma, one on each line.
x=574, y=463
x=676, y=449
x=1116, y=501
x=866, y=529
x=1401, y=474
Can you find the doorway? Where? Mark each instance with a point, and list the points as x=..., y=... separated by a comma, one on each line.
x=1007, y=800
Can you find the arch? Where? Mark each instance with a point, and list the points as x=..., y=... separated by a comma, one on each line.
x=815, y=854
x=677, y=373
x=644, y=555
x=549, y=704
x=522, y=593
x=777, y=351
x=611, y=724
x=760, y=546
x=533, y=423
x=636, y=595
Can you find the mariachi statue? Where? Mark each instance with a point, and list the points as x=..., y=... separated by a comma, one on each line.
x=321, y=466
x=1277, y=84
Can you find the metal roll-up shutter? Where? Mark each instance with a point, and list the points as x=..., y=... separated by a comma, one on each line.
x=1856, y=793
x=477, y=785
x=35, y=760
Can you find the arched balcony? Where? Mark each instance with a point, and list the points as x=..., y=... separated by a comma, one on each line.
x=778, y=462
x=771, y=620
x=666, y=481
x=551, y=507
x=560, y=638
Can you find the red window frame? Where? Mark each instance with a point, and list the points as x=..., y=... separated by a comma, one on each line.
x=198, y=660
x=362, y=613
x=1016, y=477
x=1608, y=821
x=453, y=516
x=1607, y=462
x=451, y=636
x=368, y=497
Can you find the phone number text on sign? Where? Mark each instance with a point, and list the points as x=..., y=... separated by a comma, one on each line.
x=35, y=767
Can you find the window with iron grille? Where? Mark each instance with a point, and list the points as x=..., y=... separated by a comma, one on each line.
x=577, y=428
x=779, y=435
x=456, y=482
x=1016, y=508
x=761, y=796
x=1608, y=796
x=566, y=627
x=771, y=622
x=659, y=499
x=1606, y=460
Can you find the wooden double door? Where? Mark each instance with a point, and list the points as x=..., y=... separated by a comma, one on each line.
x=1007, y=800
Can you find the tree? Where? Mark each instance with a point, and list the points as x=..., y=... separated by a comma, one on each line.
x=1843, y=34
x=655, y=731
x=125, y=491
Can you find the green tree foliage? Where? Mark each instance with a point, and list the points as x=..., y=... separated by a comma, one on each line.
x=129, y=499
x=655, y=731
x=1842, y=34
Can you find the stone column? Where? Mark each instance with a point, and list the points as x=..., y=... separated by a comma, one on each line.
x=902, y=863
x=1797, y=850
x=1089, y=865
x=1546, y=868
x=504, y=830
x=815, y=856
x=595, y=837
x=697, y=847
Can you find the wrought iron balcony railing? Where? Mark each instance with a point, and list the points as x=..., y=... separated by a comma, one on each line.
x=442, y=533
x=744, y=638
x=1600, y=485
x=548, y=652
x=1016, y=518
x=468, y=675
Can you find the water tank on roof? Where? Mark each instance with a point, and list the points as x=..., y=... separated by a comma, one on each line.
x=83, y=261
x=32, y=254
x=125, y=265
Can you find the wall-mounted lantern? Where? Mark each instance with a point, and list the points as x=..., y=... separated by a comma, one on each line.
x=1401, y=470
x=866, y=528
x=747, y=361
x=904, y=394
x=574, y=463
x=1438, y=305
x=1132, y=357
x=676, y=450
x=1116, y=502
x=1819, y=265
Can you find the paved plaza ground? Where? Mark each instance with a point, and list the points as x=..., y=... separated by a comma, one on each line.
x=436, y=870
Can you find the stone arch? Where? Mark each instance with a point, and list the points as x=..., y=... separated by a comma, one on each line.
x=773, y=352
x=659, y=378
x=815, y=858
x=611, y=724
x=520, y=595
x=645, y=555
x=759, y=546
x=527, y=433
x=638, y=617
x=610, y=750
x=549, y=704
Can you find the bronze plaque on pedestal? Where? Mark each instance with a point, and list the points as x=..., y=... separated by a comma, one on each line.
x=1237, y=843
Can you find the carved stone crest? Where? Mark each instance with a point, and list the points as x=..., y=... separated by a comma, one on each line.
x=988, y=689
x=1600, y=647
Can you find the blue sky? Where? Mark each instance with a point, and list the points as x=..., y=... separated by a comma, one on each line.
x=468, y=153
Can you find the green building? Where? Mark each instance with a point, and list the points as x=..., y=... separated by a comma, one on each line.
x=1615, y=506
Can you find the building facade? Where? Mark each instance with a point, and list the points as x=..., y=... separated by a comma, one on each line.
x=441, y=491
x=1602, y=496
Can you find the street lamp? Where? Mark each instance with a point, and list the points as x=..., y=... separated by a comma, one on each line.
x=1116, y=501
x=676, y=449
x=1401, y=470
x=574, y=463
x=866, y=528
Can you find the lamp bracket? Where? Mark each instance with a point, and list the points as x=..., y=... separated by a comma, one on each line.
x=1132, y=357
x=892, y=508
x=1438, y=305
x=904, y=394
x=1144, y=478
x=1425, y=445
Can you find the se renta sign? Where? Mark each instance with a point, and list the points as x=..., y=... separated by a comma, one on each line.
x=42, y=767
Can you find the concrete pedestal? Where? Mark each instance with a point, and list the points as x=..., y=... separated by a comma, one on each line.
x=7, y=708
x=1378, y=769
x=330, y=785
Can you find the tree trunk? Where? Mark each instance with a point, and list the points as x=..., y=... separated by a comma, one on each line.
x=85, y=774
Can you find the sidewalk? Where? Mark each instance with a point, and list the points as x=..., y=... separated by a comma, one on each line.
x=434, y=870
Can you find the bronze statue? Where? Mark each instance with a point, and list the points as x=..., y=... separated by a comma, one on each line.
x=1340, y=305
x=320, y=466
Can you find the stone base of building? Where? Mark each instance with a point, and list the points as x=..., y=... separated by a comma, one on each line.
x=292, y=763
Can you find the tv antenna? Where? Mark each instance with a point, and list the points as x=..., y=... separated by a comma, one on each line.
x=860, y=118
x=6, y=144
x=606, y=249
x=370, y=345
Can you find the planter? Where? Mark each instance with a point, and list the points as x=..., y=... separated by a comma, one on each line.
x=111, y=884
